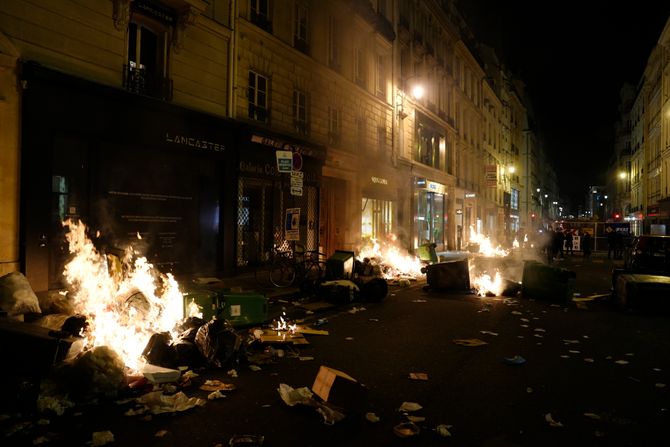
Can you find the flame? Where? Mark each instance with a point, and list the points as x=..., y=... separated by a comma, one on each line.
x=515, y=243
x=283, y=325
x=395, y=262
x=484, y=284
x=124, y=305
x=485, y=245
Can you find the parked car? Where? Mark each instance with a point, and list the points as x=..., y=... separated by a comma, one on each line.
x=647, y=257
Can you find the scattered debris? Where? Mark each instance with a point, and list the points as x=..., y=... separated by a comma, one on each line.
x=406, y=429
x=551, y=421
x=589, y=360
x=621, y=362
x=156, y=402
x=101, y=438
x=409, y=406
x=659, y=385
x=216, y=385
x=418, y=376
x=416, y=419
x=516, y=360
x=246, y=441
x=214, y=395
x=495, y=334
x=470, y=342
x=371, y=417
x=443, y=430
x=529, y=390
x=593, y=416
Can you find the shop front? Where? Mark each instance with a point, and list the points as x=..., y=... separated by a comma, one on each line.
x=430, y=213
x=379, y=206
x=277, y=195
x=136, y=171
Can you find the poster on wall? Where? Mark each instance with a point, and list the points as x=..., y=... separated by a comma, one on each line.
x=292, y=231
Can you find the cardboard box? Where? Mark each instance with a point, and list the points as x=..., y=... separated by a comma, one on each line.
x=339, y=389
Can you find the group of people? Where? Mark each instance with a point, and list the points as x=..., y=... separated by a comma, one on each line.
x=559, y=242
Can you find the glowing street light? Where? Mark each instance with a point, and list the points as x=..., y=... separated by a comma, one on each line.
x=622, y=175
x=417, y=91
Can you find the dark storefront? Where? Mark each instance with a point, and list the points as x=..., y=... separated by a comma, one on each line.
x=126, y=166
x=268, y=199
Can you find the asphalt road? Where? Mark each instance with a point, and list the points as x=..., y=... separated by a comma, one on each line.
x=591, y=375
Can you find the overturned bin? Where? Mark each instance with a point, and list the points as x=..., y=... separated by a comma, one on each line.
x=545, y=282
x=449, y=275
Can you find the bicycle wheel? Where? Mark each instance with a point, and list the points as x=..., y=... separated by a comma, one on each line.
x=313, y=270
x=282, y=272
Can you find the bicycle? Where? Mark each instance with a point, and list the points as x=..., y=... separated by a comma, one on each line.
x=296, y=266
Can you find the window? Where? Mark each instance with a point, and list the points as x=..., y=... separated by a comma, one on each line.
x=359, y=67
x=514, y=202
x=376, y=218
x=380, y=77
x=258, y=97
x=333, y=44
x=300, y=112
x=146, y=70
x=430, y=143
x=334, y=126
x=300, y=24
x=259, y=14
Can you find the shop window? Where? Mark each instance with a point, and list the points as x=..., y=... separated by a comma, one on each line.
x=376, y=218
x=300, y=27
x=429, y=218
x=259, y=14
x=258, y=97
x=300, y=112
x=146, y=70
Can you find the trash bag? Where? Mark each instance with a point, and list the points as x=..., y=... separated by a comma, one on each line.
x=95, y=373
x=218, y=342
x=16, y=296
x=160, y=351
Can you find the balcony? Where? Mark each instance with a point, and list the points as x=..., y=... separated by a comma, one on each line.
x=140, y=81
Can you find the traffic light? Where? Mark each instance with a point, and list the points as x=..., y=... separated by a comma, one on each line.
x=532, y=215
x=616, y=216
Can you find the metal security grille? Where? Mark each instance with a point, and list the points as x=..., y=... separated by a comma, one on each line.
x=261, y=208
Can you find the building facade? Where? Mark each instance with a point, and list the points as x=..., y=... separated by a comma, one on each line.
x=202, y=126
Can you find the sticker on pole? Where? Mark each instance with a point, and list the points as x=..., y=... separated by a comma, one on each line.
x=284, y=161
x=293, y=224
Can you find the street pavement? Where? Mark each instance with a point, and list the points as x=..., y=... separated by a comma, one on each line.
x=585, y=374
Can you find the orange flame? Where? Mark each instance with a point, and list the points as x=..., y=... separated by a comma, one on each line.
x=124, y=308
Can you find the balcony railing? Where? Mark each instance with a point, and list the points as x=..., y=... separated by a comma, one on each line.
x=139, y=80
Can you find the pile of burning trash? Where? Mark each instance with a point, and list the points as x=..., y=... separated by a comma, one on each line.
x=119, y=324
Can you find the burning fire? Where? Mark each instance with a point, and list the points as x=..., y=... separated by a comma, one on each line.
x=125, y=301
x=484, y=283
x=485, y=245
x=395, y=262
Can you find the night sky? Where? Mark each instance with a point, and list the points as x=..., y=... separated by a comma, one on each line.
x=574, y=56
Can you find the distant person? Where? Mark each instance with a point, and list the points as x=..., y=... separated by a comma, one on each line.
x=619, y=245
x=559, y=239
x=611, y=243
x=586, y=245
x=568, y=241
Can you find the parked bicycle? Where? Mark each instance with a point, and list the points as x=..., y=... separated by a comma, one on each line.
x=296, y=266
